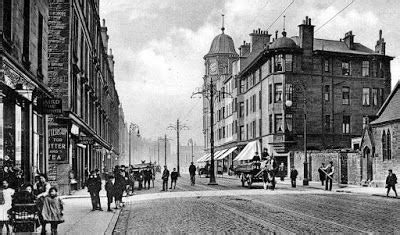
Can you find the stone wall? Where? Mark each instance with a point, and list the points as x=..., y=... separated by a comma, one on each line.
x=316, y=158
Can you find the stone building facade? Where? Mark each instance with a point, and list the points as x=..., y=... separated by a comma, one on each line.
x=23, y=78
x=278, y=82
x=380, y=145
x=81, y=73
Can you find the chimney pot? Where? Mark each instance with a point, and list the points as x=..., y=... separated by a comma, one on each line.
x=380, y=34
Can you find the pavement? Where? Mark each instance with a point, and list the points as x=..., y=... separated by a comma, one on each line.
x=79, y=219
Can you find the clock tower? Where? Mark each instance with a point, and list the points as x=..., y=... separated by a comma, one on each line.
x=218, y=67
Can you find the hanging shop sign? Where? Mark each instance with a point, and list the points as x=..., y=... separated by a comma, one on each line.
x=51, y=105
x=58, y=143
x=86, y=140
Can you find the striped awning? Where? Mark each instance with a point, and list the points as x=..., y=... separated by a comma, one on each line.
x=226, y=153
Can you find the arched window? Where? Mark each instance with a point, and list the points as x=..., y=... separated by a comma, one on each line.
x=388, y=146
x=384, y=145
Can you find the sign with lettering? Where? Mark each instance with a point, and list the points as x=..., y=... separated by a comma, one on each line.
x=58, y=143
x=51, y=105
x=86, y=140
x=52, y=172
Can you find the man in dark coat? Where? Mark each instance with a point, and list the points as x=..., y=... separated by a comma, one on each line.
x=329, y=170
x=322, y=174
x=293, y=176
x=164, y=177
x=94, y=187
x=174, y=178
x=110, y=189
x=192, y=172
x=147, y=177
x=256, y=160
x=391, y=181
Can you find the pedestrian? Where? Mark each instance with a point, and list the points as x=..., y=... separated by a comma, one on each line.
x=174, y=178
x=147, y=175
x=293, y=176
x=120, y=185
x=6, y=194
x=391, y=181
x=256, y=160
x=42, y=187
x=192, y=173
x=52, y=211
x=329, y=171
x=110, y=189
x=322, y=175
x=282, y=171
x=164, y=177
x=265, y=176
x=94, y=187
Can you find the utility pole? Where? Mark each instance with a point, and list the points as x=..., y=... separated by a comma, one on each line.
x=165, y=139
x=132, y=128
x=178, y=127
x=190, y=141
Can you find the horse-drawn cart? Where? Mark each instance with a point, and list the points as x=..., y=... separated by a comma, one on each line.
x=249, y=173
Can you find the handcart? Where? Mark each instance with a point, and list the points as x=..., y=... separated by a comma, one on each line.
x=24, y=217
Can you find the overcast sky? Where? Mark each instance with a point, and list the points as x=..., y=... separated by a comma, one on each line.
x=158, y=46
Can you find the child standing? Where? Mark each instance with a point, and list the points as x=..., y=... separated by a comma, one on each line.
x=5, y=204
x=52, y=211
x=110, y=189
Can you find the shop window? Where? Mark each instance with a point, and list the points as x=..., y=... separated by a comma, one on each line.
x=278, y=92
x=365, y=69
x=346, y=68
x=346, y=124
x=366, y=96
x=346, y=95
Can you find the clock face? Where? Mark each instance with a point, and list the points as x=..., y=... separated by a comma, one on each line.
x=213, y=67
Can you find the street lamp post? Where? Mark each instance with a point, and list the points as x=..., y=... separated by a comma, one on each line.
x=132, y=128
x=289, y=103
x=190, y=141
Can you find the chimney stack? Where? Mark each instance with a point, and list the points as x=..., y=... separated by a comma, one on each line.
x=380, y=46
x=104, y=35
x=111, y=61
x=259, y=38
x=244, y=50
x=306, y=36
x=349, y=40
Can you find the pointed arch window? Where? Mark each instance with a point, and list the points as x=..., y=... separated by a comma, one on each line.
x=388, y=146
x=384, y=145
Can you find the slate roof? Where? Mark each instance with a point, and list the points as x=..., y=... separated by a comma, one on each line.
x=390, y=110
x=338, y=46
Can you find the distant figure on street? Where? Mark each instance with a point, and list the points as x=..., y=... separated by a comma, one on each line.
x=256, y=160
x=52, y=212
x=282, y=171
x=147, y=175
x=293, y=176
x=164, y=177
x=94, y=187
x=329, y=171
x=192, y=172
x=110, y=189
x=174, y=178
x=391, y=181
x=322, y=175
x=264, y=155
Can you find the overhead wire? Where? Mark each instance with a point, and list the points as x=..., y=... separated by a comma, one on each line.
x=283, y=12
x=352, y=1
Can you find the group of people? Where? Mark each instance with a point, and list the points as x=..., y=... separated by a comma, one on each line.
x=41, y=195
x=326, y=175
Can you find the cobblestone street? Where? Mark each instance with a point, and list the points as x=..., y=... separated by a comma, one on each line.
x=230, y=208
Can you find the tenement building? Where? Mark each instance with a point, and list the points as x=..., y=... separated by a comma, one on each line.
x=81, y=73
x=291, y=90
x=23, y=75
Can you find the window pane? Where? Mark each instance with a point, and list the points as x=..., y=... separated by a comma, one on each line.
x=346, y=124
x=278, y=63
x=365, y=96
x=345, y=68
x=346, y=95
x=278, y=92
x=278, y=123
x=289, y=122
x=288, y=62
x=326, y=92
x=327, y=123
x=326, y=65
x=365, y=68
x=374, y=97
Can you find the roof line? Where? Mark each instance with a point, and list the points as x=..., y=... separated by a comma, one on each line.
x=396, y=87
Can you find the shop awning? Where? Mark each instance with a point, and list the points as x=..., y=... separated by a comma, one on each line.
x=248, y=152
x=203, y=157
x=216, y=155
x=226, y=154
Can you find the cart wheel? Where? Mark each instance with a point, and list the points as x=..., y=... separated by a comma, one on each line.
x=249, y=181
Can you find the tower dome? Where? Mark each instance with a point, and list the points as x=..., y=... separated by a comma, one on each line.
x=222, y=44
x=283, y=42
